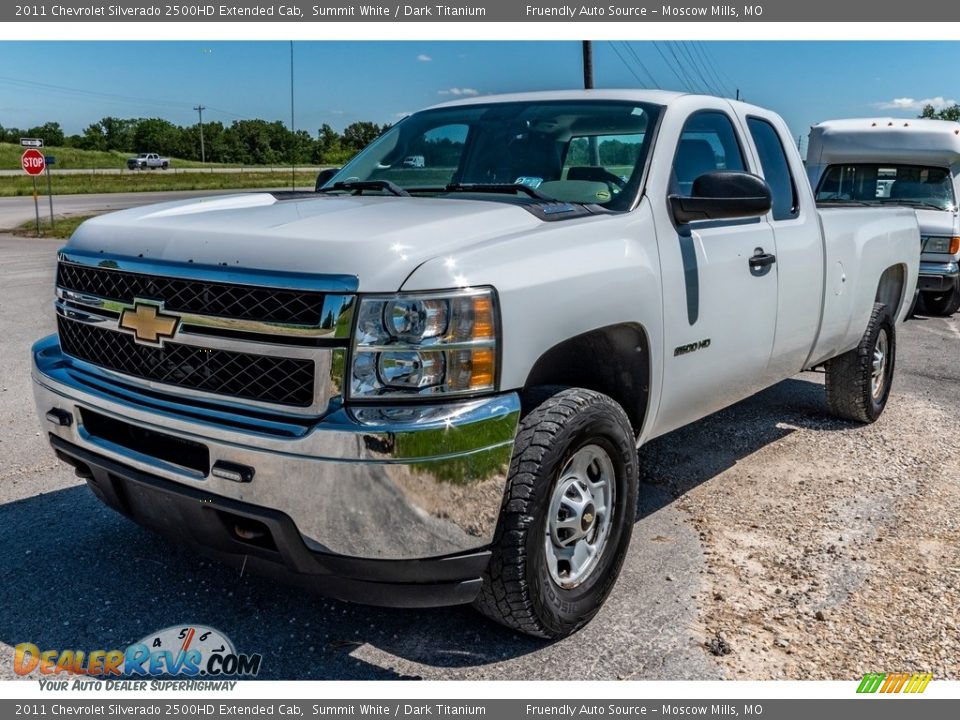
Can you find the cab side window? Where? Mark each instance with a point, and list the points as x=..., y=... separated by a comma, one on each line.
x=776, y=169
x=708, y=143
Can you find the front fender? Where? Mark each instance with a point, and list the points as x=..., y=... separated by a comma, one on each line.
x=561, y=280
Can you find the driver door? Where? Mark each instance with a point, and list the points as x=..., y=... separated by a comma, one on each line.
x=720, y=312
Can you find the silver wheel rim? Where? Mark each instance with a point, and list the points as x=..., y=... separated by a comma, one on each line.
x=881, y=350
x=580, y=511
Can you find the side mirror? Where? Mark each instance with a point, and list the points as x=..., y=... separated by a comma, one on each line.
x=722, y=195
x=323, y=177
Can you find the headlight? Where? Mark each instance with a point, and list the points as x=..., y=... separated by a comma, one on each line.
x=941, y=244
x=425, y=344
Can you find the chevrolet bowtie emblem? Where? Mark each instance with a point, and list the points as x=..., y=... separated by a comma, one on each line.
x=148, y=323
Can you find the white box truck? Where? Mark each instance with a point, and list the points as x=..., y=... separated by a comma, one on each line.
x=897, y=161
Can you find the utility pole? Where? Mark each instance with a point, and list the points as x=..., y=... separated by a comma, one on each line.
x=203, y=152
x=587, y=65
x=594, y=149
x=293, y=131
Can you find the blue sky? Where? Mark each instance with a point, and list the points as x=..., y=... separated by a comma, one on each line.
x=77, y=83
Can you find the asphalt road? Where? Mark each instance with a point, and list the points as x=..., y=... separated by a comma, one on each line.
x=74, y=574
x=172, y=170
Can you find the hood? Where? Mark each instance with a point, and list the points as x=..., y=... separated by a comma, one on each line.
x=937, y=222
x=380, y=240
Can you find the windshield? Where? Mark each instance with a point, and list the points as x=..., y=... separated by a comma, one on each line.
x=590, y=152
x=913, y=185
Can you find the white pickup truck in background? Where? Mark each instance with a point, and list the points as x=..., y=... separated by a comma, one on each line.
x=895, y=161
x=427, y=385
x=148, y=161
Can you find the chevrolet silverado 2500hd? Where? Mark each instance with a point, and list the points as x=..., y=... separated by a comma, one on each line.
x=427, y=385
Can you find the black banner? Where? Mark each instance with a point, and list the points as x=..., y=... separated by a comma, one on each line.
x=619, y=11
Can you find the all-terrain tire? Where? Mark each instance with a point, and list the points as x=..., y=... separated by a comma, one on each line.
x=518, y=588
x=858, y=382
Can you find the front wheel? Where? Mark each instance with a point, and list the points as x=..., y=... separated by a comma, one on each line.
x=858, y=382
x=567, y=514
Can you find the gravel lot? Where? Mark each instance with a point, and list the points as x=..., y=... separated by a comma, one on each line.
x=771, y=542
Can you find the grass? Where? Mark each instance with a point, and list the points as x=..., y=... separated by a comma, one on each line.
x=22, y=185
x=73, y=158
x=63, y=227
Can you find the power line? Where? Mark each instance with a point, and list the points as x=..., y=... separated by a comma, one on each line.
x=699, y=49
x=719, y=68
x=694, y=71
x=626, y=64
x=701, y=70
x=643, y=67
x=671, y=47
x=684, y=85
x=115, y=98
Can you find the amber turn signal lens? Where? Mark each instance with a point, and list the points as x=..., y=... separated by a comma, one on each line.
x=482, y=317
x=482, y=366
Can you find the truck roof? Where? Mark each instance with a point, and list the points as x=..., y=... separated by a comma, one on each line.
x=885, y=139
x=657, y=97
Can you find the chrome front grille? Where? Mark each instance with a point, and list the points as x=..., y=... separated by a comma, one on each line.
x=202, y=297
x=270, y=379
x=262, y=339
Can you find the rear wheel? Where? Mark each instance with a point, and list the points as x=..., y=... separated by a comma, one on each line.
x=946, y=303
x=858, y=382
x=567, y=514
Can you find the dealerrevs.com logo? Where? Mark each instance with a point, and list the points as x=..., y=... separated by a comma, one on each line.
x=897, y=682
x=192, y=651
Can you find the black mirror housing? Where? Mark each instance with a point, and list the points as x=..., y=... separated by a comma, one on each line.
x=722, y=195
x=323, y=177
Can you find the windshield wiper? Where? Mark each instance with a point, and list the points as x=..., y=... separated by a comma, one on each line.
x=835, y=201
x=358, y=186
x=497, y=188
x=916, y=204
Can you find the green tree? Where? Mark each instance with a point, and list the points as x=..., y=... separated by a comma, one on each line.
x=156, y=135
x=356, y=136
x=51, y=133
x=947, y=113
x=93, y=138
x=118, y=134
x=257, y=142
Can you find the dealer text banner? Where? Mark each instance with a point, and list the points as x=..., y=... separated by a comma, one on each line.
x=882, y=709
x=321, y=11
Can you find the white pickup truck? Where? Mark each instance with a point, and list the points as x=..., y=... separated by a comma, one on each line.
x=427, y=386
x=148, y=161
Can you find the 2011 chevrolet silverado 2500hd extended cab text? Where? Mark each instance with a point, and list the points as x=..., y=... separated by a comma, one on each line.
x=427, y=385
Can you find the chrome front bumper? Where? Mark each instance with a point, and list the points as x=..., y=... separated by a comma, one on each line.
x=940, y=269
x=379, y=483
x=937, y=277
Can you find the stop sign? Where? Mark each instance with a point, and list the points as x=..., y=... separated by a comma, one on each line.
x=33, y=162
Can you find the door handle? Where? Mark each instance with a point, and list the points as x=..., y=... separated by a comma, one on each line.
x=761, y=259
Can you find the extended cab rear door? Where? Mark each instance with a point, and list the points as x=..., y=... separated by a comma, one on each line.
x=719, y=311
x=798, y=237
